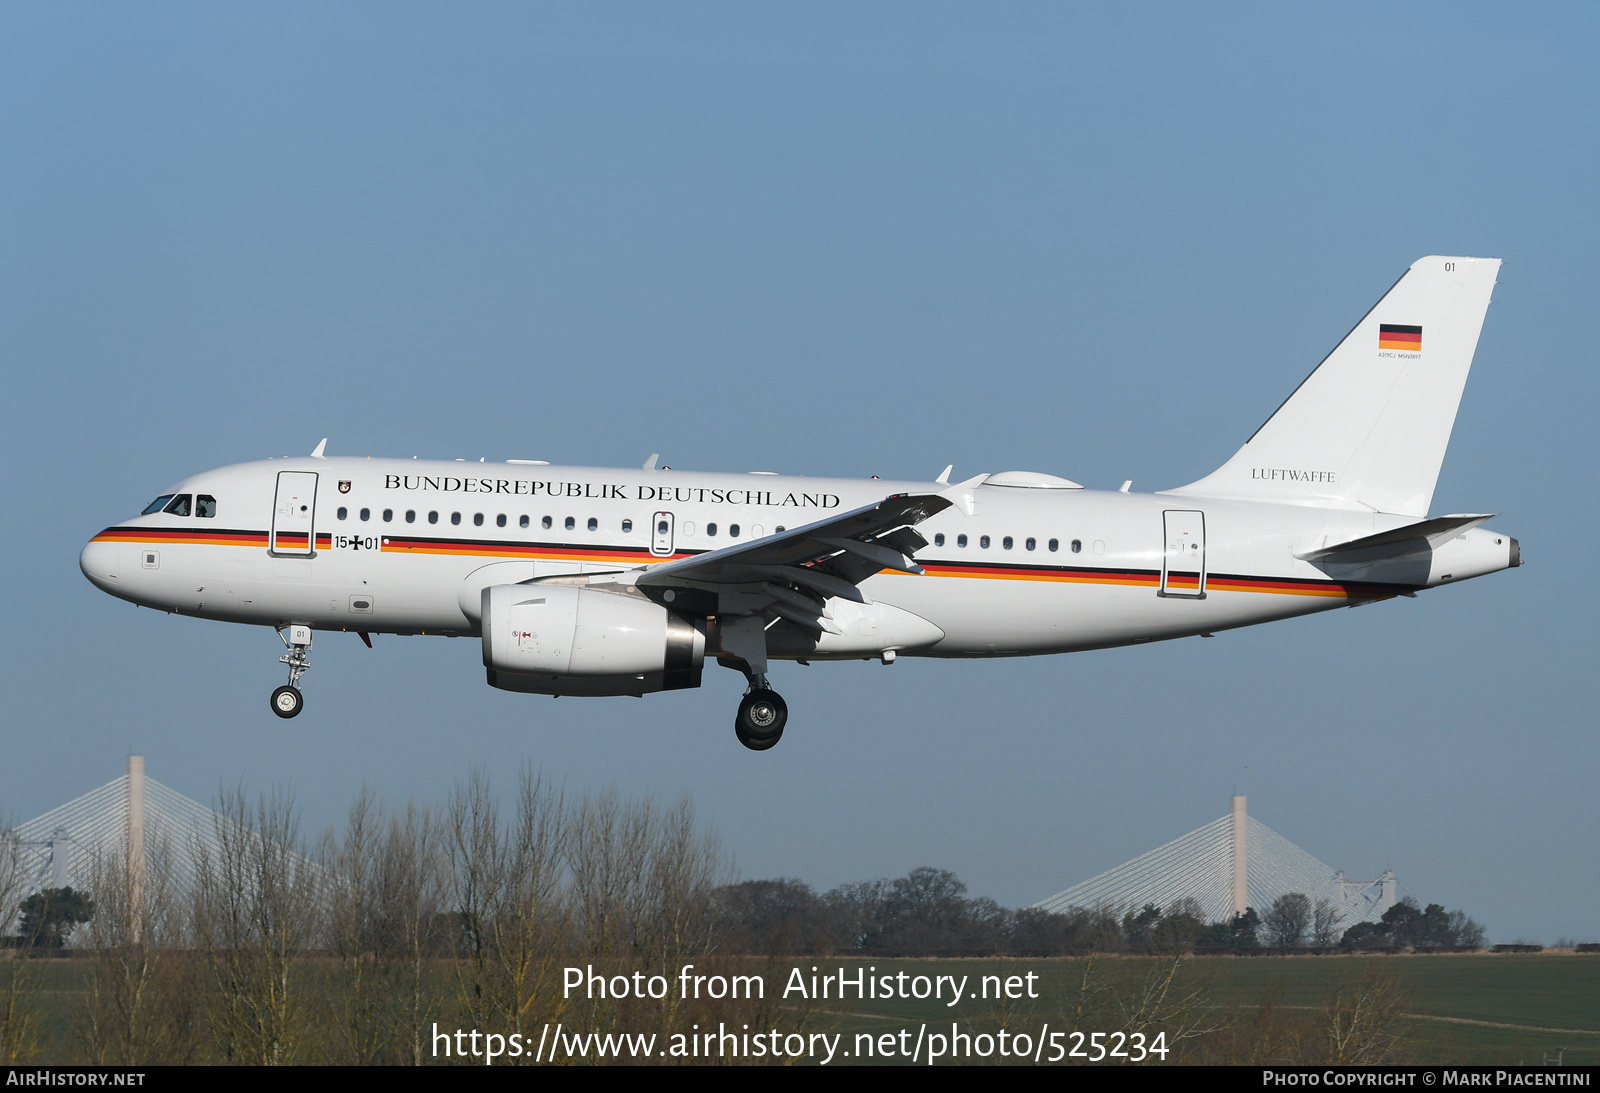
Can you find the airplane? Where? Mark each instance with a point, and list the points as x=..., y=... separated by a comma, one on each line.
x=585, y=581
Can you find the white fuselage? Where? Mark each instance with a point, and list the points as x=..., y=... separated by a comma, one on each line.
x=394, y=546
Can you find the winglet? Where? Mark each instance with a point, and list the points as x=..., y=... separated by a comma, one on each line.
x=650, y=464
x=944, y=478
x=317, y=454
x=962, y=493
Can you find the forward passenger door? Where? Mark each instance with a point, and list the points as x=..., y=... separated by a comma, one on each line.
x=293, y=512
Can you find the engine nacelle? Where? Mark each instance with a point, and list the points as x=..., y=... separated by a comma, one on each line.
x=559, y=639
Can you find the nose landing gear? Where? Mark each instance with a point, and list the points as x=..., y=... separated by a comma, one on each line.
x=287, y=701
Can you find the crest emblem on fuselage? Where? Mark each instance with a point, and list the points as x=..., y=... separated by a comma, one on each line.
x=344, y=487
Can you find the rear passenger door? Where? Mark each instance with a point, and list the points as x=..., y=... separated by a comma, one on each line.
x=1183, y=562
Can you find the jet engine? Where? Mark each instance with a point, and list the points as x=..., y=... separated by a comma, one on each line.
x=558, y=639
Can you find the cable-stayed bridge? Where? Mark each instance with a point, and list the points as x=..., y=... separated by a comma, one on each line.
x=1231, y=863
x=120, y=825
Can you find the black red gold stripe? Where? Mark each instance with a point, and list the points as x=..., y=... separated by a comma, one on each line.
x=563, y=552
x=202, y=537
x=550, y=552
x=207, y=537
x=1151, y=578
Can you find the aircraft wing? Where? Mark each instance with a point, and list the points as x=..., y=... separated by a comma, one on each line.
x=792, y=574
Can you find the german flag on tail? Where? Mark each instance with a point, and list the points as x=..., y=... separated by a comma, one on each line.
x=1408, y=338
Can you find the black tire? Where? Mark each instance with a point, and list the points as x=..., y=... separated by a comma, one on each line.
x=762, y=715
x=287, y=702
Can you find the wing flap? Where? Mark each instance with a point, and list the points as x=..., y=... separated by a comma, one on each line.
x=791, y=575
x=856, y=532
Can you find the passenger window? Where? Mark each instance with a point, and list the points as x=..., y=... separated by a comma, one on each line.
x=342, y=512
x=545, y=523
x=961, y=540
x=571, y=523
x=711, y=529
x=627, y=526
x=500, y=521
x=1055, y=544
x=983, y=541
x=733, y=530
x=157, y=505
x=411, y=516
x=388, y=514
x=1006, y=542
x=661, y=527
x=205, y=506
x=938, y=540
x=594, y=525
x=455, y=518
x=477, y=519
x=179, y=505
x=366, y=514
x=1031, y=543
x=1077, y=546
x=433, y=516
x=523, y=522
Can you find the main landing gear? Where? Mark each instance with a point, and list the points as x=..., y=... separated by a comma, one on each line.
x=287, y=701
x=762, y=715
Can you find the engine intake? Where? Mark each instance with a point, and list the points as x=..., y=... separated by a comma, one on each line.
x=558, y=639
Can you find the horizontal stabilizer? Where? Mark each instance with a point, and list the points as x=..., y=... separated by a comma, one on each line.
x=1436, y=532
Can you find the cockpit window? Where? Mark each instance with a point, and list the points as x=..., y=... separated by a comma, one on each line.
x=205, y=506
x=179, y=505
x=157, y=505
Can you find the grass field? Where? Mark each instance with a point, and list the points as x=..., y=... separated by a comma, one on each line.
x=1466, y=1008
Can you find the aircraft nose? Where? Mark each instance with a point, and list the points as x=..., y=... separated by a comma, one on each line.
x=100, y=562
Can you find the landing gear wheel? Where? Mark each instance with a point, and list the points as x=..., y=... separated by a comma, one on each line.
x=762, y=714
x=286, y=701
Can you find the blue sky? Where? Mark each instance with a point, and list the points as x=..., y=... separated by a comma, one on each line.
x=1102, y=242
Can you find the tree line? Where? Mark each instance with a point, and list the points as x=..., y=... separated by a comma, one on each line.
x=928, y=911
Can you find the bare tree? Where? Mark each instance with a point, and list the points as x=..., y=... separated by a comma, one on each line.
x=1324, y=923
x=1139, y=996
x=138, y=1001
x=1364, y=1020
x=678, y=914
x=505, y=883
x=410, y=883
x=353, y=892
x=19, y=1015
x=383, y=914
x=258, y=898
x=1288, y=919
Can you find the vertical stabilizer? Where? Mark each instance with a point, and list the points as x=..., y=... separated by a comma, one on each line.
x=1368, y=428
